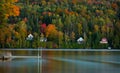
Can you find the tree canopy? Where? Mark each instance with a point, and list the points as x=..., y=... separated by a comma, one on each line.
x=62, y=22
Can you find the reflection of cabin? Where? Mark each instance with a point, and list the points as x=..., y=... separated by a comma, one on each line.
x=5, y=56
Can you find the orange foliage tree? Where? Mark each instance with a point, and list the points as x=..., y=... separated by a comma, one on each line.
x=51, y=30
x=8, y=8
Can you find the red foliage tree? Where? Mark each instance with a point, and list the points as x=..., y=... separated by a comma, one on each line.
x=42, y=28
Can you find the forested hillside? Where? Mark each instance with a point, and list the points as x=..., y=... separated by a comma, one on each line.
x=61, y=22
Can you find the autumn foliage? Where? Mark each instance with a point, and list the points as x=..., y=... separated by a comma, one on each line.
x=9, y=9
x=50, y=30
x=61, y=22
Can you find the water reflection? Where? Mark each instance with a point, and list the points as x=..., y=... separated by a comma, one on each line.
x=20, y=66
x=22, y=62
x=81, y=62
x=63, y=62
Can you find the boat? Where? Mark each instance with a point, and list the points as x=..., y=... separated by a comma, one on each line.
x=5, y=56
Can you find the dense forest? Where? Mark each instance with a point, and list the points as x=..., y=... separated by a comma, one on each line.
x=59, y=23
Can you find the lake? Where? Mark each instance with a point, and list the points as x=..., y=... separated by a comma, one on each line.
x=63, y=61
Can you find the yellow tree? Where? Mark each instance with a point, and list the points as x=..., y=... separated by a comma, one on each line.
x=72, y=36
x=79, y=29
x=96, y=28
x=5, y=36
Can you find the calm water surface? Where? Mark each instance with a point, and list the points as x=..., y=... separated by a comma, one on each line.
x=81, y=62
x=64, y=62
x=22, y=65
x=19, y=66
